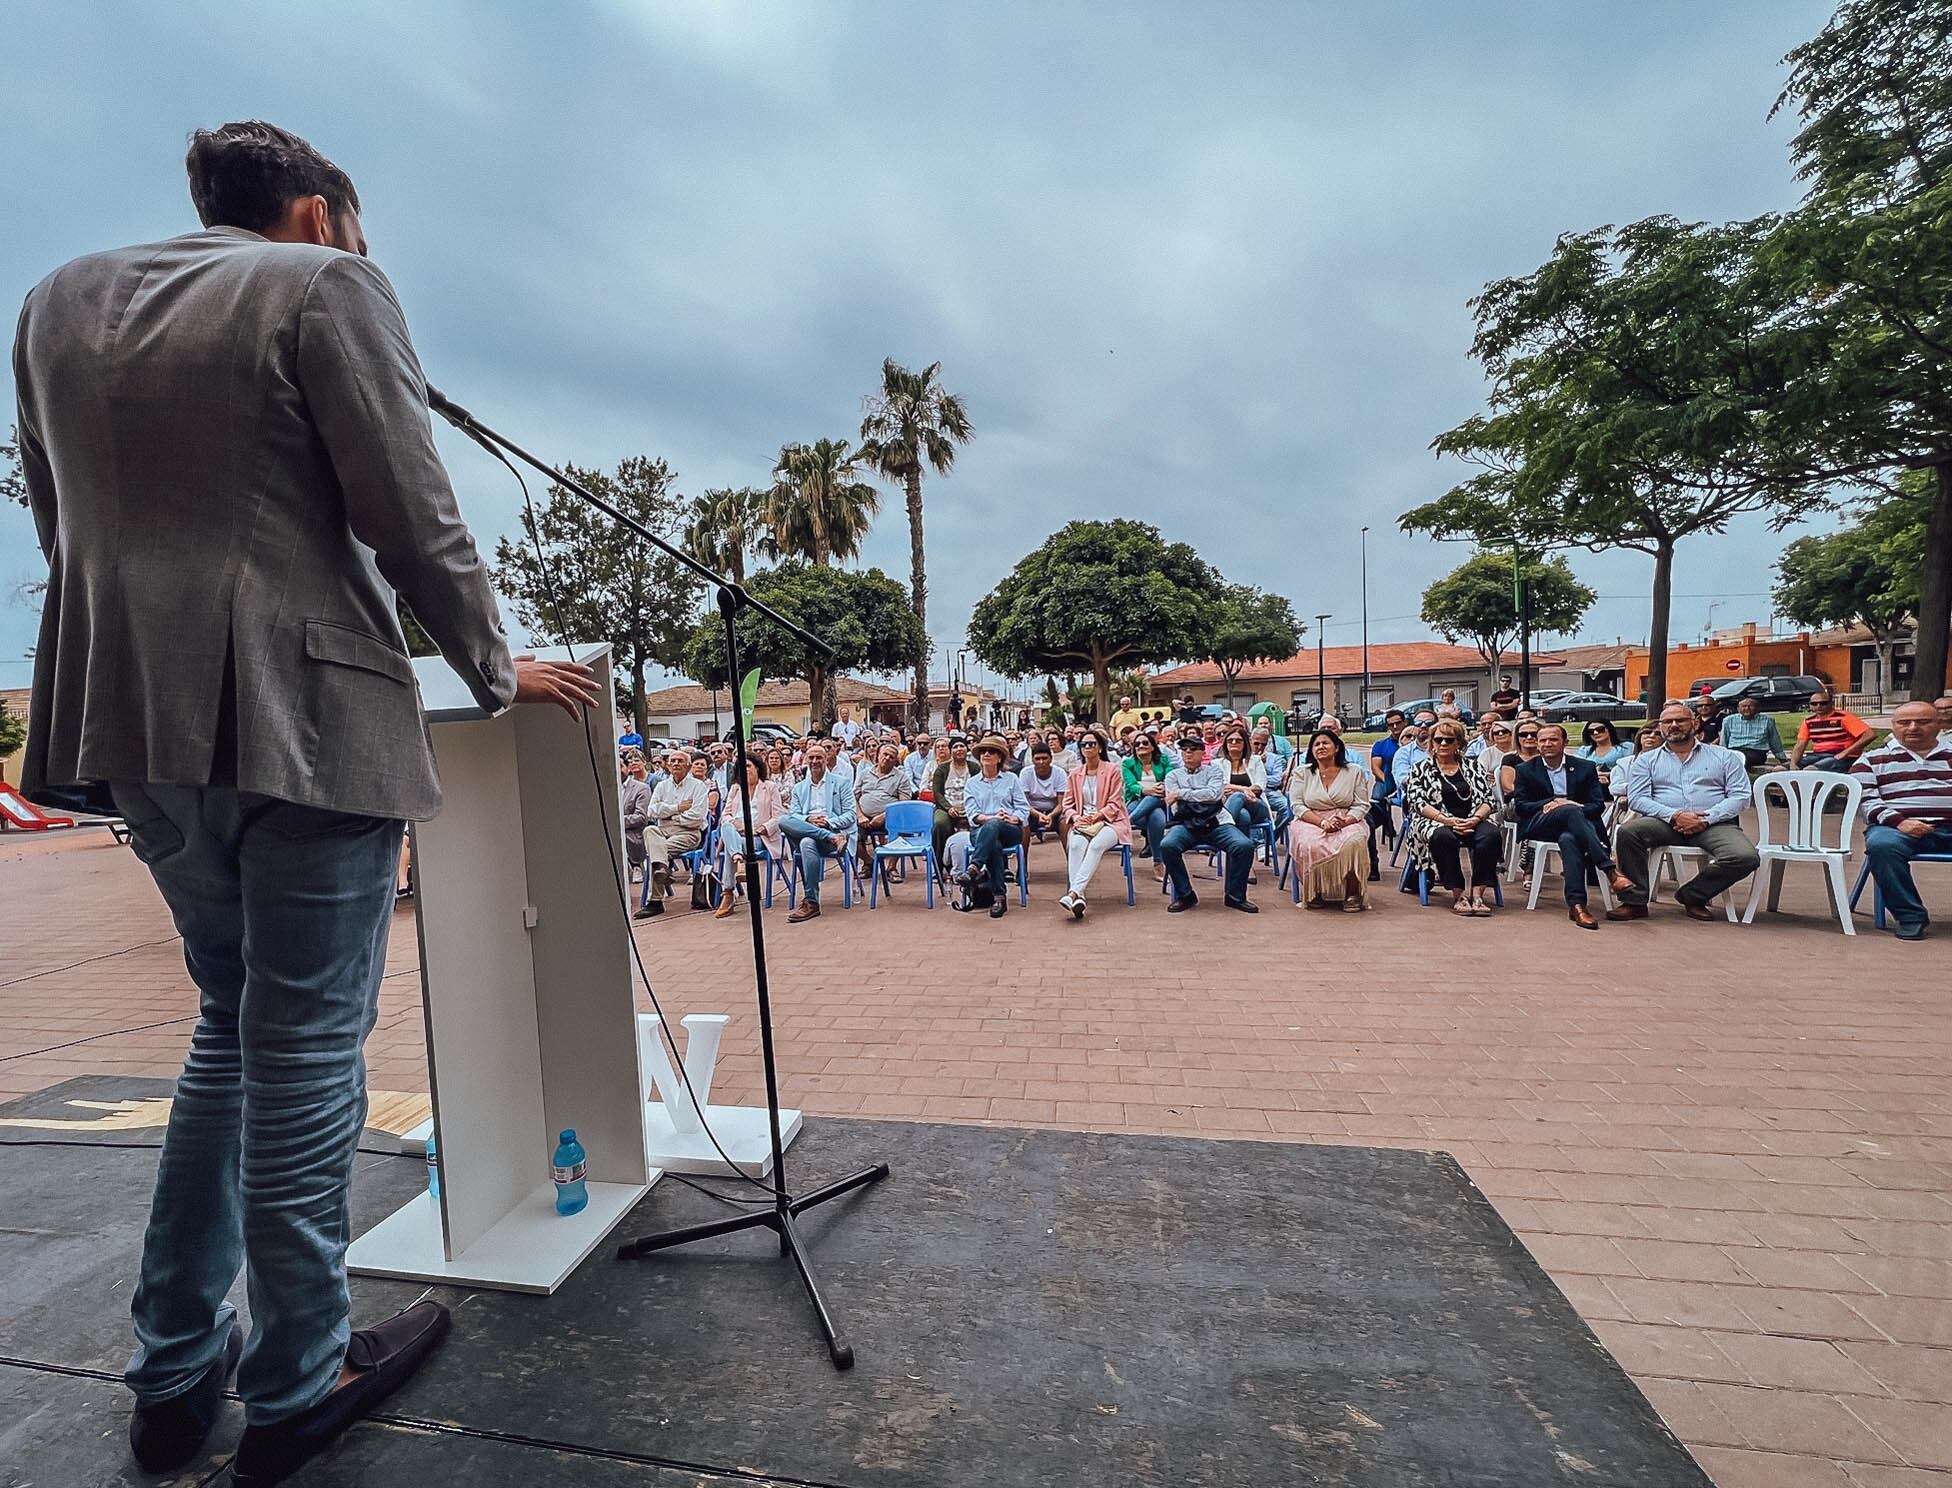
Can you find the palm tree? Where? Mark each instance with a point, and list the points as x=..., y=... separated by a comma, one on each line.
x=723, y=527
x=818, y=509
x=912, y=421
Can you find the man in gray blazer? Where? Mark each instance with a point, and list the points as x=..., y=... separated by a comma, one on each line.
x=227, y=452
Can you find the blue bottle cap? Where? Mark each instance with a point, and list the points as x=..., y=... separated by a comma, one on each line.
x=568, y=1136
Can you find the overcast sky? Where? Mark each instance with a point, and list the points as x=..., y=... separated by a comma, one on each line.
x=1204, y=265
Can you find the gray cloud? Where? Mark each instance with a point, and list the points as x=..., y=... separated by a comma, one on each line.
x=1204, y=267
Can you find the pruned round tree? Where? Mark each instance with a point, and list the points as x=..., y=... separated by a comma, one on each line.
x=862, y=613
x=1094, y=596
x=1476, y=602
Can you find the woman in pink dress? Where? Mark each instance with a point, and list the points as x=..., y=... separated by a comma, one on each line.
x=767, y=809
x=1328, y=841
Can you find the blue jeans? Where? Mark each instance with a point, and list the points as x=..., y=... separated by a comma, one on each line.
x=1248, y=814
x=812, y=846
x=1889, y=853
x=1149, y=819
x=1220, y=833
x=1280, y=810
x=284, y=912
x=1830, y=764
x=987, y=845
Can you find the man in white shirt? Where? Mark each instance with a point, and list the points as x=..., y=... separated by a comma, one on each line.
x=680, y=807
x=847, y=728
x=1043, y=790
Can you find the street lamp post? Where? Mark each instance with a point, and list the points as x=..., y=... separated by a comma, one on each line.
x=1363, y=706
x=1321, y=670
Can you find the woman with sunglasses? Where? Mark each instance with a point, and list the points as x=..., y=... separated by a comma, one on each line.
x=1145, y=794
x=1600, y=743
x=1525, y=734
x=1095, y=807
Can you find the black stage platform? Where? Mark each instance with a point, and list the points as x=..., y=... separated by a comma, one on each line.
x=1027, y=1307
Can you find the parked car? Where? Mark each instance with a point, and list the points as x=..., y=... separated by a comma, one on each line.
x=1585, y=707
x=1374, y=721
x=1703, y=686
x=1771, y=694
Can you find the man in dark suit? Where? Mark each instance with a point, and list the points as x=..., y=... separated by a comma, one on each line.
x=1560, y=799
x=227, y=452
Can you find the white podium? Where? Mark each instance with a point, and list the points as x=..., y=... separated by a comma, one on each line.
x=525, y=976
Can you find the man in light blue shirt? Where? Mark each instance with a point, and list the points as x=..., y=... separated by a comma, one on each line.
x=1411, y=751
x=1684, y=794
x=819, y=825
x=1196, y=793
x=994, y=803
x=920, y=761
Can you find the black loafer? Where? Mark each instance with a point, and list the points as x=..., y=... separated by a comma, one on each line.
x=383, y=1357
x=168, y=1435
x=1245, y=906
x=999, y=909
x=1178, y=906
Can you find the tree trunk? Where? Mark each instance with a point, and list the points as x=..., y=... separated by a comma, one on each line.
x=1229, y=678
x=1934, y=596
x=1657, y=628
x=1101, y=686
x=918, y=585
x=637, y=692
x=820, y=689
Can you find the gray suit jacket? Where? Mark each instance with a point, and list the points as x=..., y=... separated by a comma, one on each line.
x=229, y=460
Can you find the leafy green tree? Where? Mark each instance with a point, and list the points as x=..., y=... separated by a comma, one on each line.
x=1867, y=260
x=723, y=526
x=818, y=508
x=1866, y=574
x=1475, y=602
x=1637, y=399
x=611, y=585
x=13, y=485
x=910, y=423
x=13, y=733
x=1250, y=625
x=1094, y=595
x=863, y=614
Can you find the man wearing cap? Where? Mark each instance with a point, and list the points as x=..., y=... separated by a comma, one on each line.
x=997, y=813
x=918, y=761
x=1195, y=794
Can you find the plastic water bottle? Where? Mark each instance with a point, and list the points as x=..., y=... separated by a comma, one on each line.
x=570, y=1168
x=433, y=1170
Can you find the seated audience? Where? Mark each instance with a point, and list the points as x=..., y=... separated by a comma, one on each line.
x=876, y=788
x=767, y=810
x=1560, y=799
x=679, y=813
x=918, y=762
x=1196, y=792
x=1244, y=796
x=1145, y=773
x=1043, y=791
x=1687, y=794
x=947, y=787
x=1601, y=746
x=819, y=825
x=1382, y=758
x=1449, y=814
x=1752, y=734
x=1269, y=770
x=1331, y=798
x=1647, y=736
x=1907, y=784
x=634, y=795
x=1708, y=719
x=997, y=812
x=1094, y=805
x=1830, y=738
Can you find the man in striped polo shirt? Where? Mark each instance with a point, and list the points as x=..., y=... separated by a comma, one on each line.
x=1832, y=737
x=1908, y=809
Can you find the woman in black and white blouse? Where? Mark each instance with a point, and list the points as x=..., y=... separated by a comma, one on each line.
x=1450, y=806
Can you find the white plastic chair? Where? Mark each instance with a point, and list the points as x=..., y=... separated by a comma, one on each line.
x=1546, y=859
x=1668, y=860
x=1804, y=794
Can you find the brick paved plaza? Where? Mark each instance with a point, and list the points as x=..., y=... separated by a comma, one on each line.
x=1732, y=1148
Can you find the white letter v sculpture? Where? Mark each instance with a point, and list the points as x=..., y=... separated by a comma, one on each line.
x=677, y=1138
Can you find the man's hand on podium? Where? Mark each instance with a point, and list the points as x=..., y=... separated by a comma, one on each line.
x=568, y=684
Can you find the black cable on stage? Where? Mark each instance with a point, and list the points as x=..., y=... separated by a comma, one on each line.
x=622, y=875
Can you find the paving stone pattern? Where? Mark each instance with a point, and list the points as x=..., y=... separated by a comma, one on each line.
x=1730, y=1147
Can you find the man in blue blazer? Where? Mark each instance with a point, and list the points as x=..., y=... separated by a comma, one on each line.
x=819, y=824
x=1560, y=799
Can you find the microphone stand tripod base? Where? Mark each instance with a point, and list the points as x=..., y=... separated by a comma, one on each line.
x=780, y=1220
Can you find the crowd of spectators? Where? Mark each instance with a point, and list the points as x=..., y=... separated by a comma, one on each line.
x=1161, y=786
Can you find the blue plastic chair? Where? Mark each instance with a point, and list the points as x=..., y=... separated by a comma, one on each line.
x=1125, y=857
x=763, y=854
x=1424, y=877
x=705, y=852
x=908, y=832
x=1877, y=894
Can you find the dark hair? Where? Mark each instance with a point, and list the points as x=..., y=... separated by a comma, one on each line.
x=1396, y=713
x=756, y=762
x=1341, y=749
x=248, y=173
x=1040, y=747
x=1586, y=734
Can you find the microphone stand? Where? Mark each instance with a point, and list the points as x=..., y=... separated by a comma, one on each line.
x=780, y=1217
